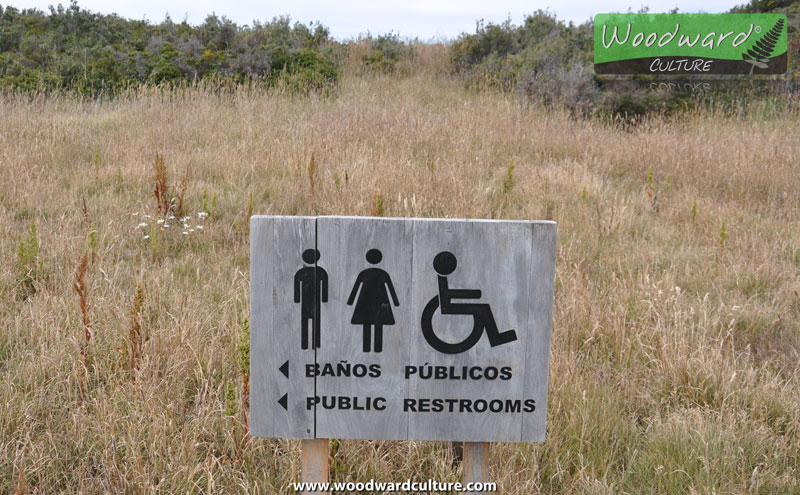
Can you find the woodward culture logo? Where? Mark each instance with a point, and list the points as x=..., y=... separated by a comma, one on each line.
x=690, y=43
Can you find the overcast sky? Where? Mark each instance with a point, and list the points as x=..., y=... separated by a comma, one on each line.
x=424, y=19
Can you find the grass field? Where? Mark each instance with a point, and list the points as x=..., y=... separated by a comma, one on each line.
x=676, y=332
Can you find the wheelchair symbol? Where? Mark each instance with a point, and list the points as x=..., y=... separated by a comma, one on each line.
x=445, y=263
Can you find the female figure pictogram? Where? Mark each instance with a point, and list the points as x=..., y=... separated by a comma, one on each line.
x=373, y=309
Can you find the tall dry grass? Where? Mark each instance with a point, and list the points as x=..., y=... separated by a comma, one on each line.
x=418, y=58
x=676, y=335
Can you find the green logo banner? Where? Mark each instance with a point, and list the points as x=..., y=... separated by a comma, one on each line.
x=690, y=43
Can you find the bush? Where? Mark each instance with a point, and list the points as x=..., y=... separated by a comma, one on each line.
x=305, y=71
x=544, y=58
x=78, y=50
x=385, y=52
x=550, y=62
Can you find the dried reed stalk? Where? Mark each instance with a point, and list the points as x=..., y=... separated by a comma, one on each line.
x=83, y=295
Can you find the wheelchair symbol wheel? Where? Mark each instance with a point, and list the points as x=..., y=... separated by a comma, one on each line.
x=439, y=344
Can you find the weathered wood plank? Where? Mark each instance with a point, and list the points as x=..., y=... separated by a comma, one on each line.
x=542, y=275
x=276, y=285
x=488, y=257
x=262, y=241
x=370, y=287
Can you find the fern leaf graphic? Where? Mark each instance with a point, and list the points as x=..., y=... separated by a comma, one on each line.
x=764, y=47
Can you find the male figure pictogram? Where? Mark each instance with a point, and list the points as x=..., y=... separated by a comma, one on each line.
x=310, y=290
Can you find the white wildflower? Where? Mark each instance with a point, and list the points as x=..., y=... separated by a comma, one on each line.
x=171, y=217
x=143, y=225
x=185, y=233
x=160, y=220
x=202, y=214
x=200, y=227
x=146, y=237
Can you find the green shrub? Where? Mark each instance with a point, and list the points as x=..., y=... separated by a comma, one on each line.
x=304, y=71
x=385, y=52
x=550, y=62
x=544, y=58
x=75, y=49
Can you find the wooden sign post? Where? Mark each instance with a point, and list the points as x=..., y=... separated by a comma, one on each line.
x=401, y=329
x=475, y=463
x=315, y=467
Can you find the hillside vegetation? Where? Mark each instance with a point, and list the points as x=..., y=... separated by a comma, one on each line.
x=676, y=337
x=544, y=58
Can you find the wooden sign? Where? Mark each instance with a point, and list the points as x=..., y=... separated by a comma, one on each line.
x=400, y=329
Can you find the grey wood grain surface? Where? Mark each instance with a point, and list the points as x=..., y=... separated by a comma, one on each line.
x=262, y=242
x=537, y=355
x=380, y=272
x=275, y=332
x=489, y=256
x=345, y=242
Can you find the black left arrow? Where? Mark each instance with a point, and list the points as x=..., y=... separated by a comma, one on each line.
x=285, y=369
x=282, y=401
